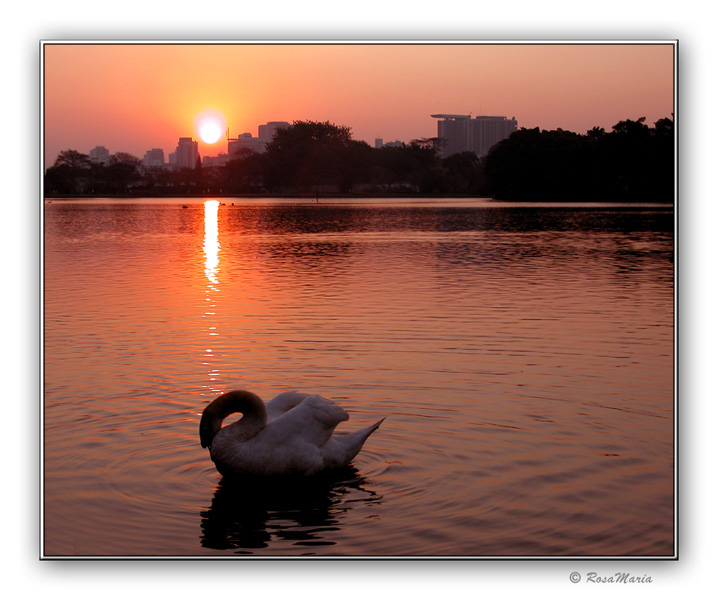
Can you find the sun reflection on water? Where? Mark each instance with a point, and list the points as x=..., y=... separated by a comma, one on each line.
x=211, y=270
x=211, y=241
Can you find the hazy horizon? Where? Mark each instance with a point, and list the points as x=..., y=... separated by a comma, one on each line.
x=135, y=97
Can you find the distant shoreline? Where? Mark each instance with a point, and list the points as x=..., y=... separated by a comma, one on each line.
x=350, y=197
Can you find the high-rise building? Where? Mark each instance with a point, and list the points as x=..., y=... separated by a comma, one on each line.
x=154, y=158
x=245, y=141
x=266, y=132
x=100, y=155
x=461, y=133
x=256, y=144
x=186, y=154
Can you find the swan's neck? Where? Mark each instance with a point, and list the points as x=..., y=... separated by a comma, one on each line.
x=254, y=416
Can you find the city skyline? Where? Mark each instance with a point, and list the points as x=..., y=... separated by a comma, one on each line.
x=134, y=97
x=229, y=145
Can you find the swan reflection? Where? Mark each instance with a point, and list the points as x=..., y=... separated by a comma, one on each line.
x=250, y=514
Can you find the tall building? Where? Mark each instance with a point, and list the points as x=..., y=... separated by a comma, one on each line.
x=186, y=154
x=256, y=144
x=266, y=132
x=154, y=158
x=100, y=155
x=461, y=133
x=245, y=141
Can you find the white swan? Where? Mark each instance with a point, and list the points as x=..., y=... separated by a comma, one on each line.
x=291, y=434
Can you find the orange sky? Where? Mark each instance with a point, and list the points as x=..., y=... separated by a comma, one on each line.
x=134, y=97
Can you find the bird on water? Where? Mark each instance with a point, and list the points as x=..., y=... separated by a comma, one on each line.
x=293, y=434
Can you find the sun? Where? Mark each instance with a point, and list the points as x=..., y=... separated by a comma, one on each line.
x=210, y=132
x=210, y=126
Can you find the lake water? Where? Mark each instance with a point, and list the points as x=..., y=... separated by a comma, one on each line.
x=522, y=354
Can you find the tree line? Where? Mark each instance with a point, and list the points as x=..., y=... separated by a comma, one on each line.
x=632, y=161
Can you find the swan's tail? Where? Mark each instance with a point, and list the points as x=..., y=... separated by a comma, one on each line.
x=353, y=442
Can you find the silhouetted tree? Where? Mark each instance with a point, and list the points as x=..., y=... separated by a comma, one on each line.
x=462, y=173
x=125, y=158
x=156, y=178
x=639, y=165
x=537, y=165
x=631, y=162
x=245, y=173
x=391, y=168
x=664, y=128
x=73, y=159
x=69, y=174
x=596, y=133
x=664, y=159
x=307, y=155
x=356, y=161
x=122, y=171
x=424, y=164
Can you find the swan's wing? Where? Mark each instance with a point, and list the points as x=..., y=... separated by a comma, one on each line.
x=312, y=422
x=283, y=403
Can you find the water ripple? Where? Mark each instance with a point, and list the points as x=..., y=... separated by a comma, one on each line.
x=523, y=357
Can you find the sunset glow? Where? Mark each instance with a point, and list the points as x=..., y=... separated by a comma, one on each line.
x=133, y=97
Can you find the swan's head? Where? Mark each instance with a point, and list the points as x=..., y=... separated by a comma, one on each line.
x=211, y=421
x=216, y=411
x=208, y=427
